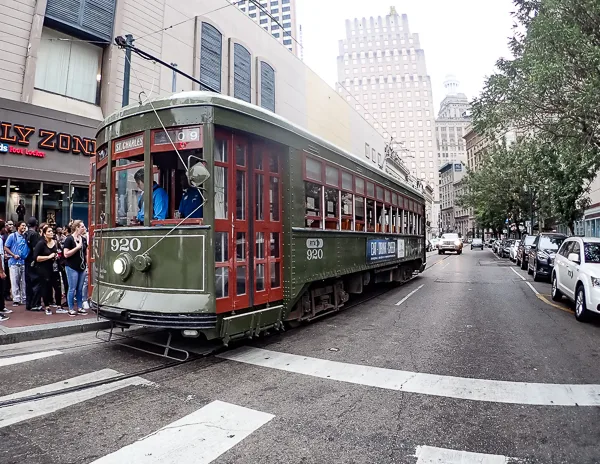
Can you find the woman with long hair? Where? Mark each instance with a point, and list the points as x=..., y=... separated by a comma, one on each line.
x=75, y=249
x=45, y=258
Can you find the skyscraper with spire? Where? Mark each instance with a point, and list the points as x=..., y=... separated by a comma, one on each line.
x=450, y=124
x=383, y=75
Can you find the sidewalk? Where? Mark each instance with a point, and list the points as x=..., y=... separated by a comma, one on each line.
x=26, y=325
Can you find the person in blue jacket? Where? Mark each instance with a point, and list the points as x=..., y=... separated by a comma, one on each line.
x=160, y=199
x=191, y=201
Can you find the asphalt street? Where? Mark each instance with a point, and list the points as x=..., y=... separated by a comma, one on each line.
x=471, y=362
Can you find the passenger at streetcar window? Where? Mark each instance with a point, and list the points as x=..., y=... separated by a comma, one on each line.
x=160, y=199
x=313, y=215
x=191, y=204
x=370, y=215
x=332, y=208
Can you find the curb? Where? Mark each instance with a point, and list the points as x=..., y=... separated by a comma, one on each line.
x=38, y=332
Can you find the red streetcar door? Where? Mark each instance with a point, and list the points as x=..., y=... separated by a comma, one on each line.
x=267, y=224
x=231, y=222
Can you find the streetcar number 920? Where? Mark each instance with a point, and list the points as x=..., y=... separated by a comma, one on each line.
x=314, y=254
x=125, y=244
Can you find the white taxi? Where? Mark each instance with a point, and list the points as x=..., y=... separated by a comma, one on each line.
x=576, y=275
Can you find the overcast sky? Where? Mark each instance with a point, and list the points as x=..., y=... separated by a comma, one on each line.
x=460, y=37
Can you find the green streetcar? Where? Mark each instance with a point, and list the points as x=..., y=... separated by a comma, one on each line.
x=286, y=227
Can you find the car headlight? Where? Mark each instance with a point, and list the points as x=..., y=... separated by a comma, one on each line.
x=542, y=255
x=595, y=281
x=457, y=243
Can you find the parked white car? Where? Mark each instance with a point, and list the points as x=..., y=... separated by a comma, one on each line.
x=576, y=275
x=513, y=250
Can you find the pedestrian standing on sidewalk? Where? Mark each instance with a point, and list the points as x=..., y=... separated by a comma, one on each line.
x=17, y=250
x=45, y=256
x=3, y=310
x=32, y=236
x=9, y=229
x=75, y=249
x=62, y=262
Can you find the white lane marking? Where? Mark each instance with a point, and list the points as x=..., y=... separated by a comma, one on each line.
x=27, y=357
x=409, y=295
x=23, y=411
x=513, y=269
x=532, y=288
x=445, y=265
x=497, y=391
x=198, y=438
x=433, y=455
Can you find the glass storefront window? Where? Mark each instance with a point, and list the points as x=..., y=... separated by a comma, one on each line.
x=55, y=208
x=23, y=200
x=3, y=184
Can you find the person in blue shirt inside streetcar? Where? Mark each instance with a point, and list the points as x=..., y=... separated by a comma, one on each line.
x=160, y=199
x=189, y=207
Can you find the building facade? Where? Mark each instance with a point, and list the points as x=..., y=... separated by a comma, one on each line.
x=451, y=124
x=382, y=73
x=62, y=75
x=451, y=215
x=275, y=16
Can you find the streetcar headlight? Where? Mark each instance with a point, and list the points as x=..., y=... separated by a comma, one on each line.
x=120, y=266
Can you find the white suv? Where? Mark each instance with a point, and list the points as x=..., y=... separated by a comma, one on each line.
x=576, y=275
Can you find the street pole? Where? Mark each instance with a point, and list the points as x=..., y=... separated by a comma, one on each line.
x=127, y=71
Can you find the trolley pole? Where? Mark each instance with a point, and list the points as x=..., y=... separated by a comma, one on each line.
x=174, y=81
x=127, y=71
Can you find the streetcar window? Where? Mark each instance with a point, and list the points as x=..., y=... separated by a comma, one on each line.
x=128, y=194
x=332, y=207
x=359, y=203
x=332, y=176
x=274, y=196
x=102, y=193
x=313, y=193
x=379, y=191
x=346, y=181
x=370, y=215
x=347, y=210
x=221, y=267
x=371, y=189
x=220, y=180
x=359, y=185
x=259, y=186
x=313, y=170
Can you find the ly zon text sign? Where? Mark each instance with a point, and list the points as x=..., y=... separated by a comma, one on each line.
x=20, y=135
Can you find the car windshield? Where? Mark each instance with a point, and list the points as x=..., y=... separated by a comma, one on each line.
x=591, y=252
x=450, y=236
x=529, y=240
x=476, y=240
x=550, y=243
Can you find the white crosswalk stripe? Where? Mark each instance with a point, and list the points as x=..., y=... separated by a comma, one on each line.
x=198, y=438
x=433, y=455
x=27, y=357
x=498, y=391
x=14, y=414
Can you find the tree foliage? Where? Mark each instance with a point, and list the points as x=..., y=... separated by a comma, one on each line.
x=549, y=92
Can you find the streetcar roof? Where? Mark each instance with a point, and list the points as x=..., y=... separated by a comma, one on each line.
x=197, y=97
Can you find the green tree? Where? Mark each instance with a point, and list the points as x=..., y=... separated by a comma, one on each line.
x=550, y=93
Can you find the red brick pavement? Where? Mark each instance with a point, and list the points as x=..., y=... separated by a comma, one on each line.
x=20, y=317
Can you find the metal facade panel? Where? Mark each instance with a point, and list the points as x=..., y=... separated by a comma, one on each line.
x=93, y=17
x=267, y=86
x=210, y=58
x=242, y=73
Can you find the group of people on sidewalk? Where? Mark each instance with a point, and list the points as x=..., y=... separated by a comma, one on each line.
x=37, y=263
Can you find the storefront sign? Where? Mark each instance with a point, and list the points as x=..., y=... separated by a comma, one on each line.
x=380, y=250
x=21, y=151
x=18, y=134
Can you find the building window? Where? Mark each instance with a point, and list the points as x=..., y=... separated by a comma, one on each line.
x=210, y=58
x=242, y=73
x=95, y=18
x=267, y=86
x=287, y=41
x=68, y=67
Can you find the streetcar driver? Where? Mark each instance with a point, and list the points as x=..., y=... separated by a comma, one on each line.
x=160, y=199
x=191, y=200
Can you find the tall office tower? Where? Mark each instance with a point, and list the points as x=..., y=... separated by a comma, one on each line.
x=263, y=12
x=382, y=73
x=451, y=123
